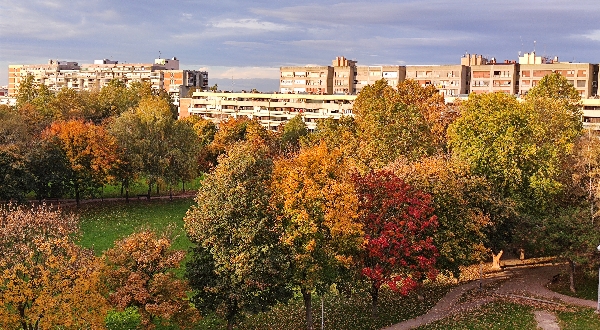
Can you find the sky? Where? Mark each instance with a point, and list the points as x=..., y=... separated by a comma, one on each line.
x=249, y=40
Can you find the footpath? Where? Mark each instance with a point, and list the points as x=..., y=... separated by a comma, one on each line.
x=528, y=283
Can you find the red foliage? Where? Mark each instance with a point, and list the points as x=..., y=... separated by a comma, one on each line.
x=398, y=223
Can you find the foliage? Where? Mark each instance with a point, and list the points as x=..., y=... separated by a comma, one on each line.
x=15, y=180
x=50, y=170
x=138, y=273
x=89, y=150
x=467, y=209
x=387, y=127
x=46, y=281
x=291, y=133
x=238, y=266
x=128, y=319
x=339, y=134
x=315, y=194
x=398, y=230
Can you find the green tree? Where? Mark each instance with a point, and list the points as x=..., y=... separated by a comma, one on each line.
x=291, y=133
x=387, y=127
x=15, y=179
x=238, y=265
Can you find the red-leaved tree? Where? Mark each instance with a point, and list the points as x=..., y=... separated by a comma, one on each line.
x=398, y=223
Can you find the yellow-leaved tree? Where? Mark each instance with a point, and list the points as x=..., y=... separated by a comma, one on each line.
x=319, y=214
x=46, y=280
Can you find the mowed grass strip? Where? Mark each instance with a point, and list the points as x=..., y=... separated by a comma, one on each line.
x=104, y=223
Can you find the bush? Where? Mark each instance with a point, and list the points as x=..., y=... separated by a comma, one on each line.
x=128, y=319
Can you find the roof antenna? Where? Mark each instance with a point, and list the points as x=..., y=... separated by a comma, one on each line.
x=159, y=54
x=521, y=50
x=534, y=46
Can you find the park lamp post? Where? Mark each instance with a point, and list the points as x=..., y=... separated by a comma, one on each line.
x=598, y=307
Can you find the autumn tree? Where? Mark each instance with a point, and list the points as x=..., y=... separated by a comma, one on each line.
x=398, y=225
x=89, y=150
x=139, y=273
x=316, y=197
x=237, y=266
x=291, y=133
x=521, y=148
x=205, y=134
x=46, y=280
x=387, y=127
x=49, y=169
x=468, y=211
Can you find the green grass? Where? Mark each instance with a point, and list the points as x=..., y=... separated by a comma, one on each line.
x=582, y=318
x=586, y=285
x=493, y=316
x=104, y=223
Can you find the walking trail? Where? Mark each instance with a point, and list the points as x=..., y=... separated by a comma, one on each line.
x=519, y=283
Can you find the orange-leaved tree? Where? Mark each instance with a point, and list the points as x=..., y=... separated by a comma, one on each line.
x=91, y=152
x=46, y=280
x=316, y=196
x=139, y=273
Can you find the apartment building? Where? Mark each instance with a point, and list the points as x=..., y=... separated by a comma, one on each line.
x=532, y=68
x=162, y=74
x=495, y=77
x=450, y=80
x=367, y=75
x=271, y=110
x=306, y=79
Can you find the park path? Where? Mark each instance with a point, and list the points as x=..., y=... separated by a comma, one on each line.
x=519, y=283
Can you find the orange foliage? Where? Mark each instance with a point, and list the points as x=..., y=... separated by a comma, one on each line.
x=139, y=274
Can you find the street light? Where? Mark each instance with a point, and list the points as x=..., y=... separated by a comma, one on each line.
x=598, y=307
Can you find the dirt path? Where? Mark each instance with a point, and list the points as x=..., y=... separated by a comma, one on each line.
x=521, y=283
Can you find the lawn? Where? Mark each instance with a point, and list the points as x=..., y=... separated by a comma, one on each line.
x=586, y=285
x=104, y=223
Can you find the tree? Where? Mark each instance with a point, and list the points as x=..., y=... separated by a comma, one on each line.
x=398, y=225
x=387, y=128
x=46, y=280
x=205, y=132
x=523, y=149
x=316, y=197
x=139, y=273
x=291, y=133
x=15, y=180
x=49, y=169
x=89, y=150
x=238, y=265
x=468, y=211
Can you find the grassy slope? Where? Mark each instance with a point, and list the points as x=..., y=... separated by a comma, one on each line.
x=104, y=223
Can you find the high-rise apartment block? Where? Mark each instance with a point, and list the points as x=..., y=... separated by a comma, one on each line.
x=474, y=74
x=162, y=74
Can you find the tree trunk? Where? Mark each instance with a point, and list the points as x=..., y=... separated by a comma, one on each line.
x=496, y=260
x=571, y=275
x=170, y=193
x=183, y=186
x=77, y=194
x=229, y=325
x=374, y=299
x=157, y=186
x=307, y=306
x=122, y=188
x=149, y=191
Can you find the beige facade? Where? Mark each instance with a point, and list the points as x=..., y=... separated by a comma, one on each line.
x=367, y=75
x=306, y=79
x=492, y=77
x=162, y=74
x=270, y=109
x=450, y=80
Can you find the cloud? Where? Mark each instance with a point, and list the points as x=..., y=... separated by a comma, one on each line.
x=248, y=24
x=593, y=35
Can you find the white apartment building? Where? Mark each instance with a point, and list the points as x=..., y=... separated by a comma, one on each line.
x=162, y=74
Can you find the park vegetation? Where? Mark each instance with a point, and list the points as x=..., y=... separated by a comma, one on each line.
x=407, y=189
